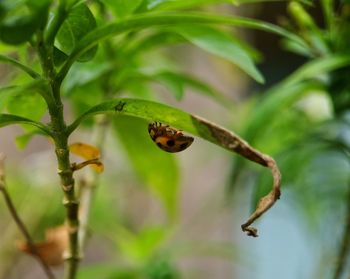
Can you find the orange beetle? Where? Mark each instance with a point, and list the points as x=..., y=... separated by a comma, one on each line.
x=167, y=138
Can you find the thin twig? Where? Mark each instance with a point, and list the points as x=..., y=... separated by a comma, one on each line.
x=344, y=245
x=18, y=220
x=78, y=166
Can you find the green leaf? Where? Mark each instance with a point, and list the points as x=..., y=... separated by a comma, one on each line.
x=142, y=246
x=8, y=93
x=27, y=104
x=144, y=156
x=23, y=140
x=277, y=99
x=290, y=90
x=222, y=45
x=317, y=68
x=165, y=19
x=59, y=57
x=19, y=65
x=21, y=26
x=183, y=80
x=181, y=4
x=123, y=8
x=19, y=29
x=79, y=22
x=152, y=111
x=173, y=82
x=107, y=271
x=84, y=73
x=9, y=119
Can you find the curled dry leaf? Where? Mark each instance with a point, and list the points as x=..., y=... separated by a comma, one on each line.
x=52, y=248
x=232, y=142
x=90, y=153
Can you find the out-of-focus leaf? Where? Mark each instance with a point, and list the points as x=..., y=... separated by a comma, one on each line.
x=84, y=97
x=23, y=140
x=27, y=104
x=83, y=73
x=318, y=67
x=88, y=152
x=9, y=119
x=79, y=22
x=20, y=27
x=173, y=82
x=177, y=82
x=156, y=168
x=17, y=30
x=17, y=64
x=218, y=43
x=274, y=102
x=161, y=268
x=107, y=271
x=327, y=7
x=84, y=150
x=8, y=93
x=309, y=28
x=52, y=248
x=181, y=4
x=166, y=19
x=142, y=246
x=122, y=8
x=312, y=190
x=291, y=89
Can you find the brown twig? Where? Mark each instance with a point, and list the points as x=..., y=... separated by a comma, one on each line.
x=344, y=245
x=18, y=220
x=78, y=166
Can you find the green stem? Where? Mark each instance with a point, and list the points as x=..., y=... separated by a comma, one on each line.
x=56, y=23
x=60, y=137
x=65, y=172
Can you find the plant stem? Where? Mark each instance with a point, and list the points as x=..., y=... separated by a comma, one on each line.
x=19, y=222
x=60, y=138
x=344, y=245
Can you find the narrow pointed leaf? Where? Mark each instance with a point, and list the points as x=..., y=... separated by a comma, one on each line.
x=29, y=71
x=197, y=126
x=222, y=45
x=165, y=19
x=9, y=119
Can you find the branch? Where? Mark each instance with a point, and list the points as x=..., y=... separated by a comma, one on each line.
x=78, y=166
x=18, y=220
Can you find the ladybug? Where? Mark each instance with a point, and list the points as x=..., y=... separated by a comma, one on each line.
x=167, y=138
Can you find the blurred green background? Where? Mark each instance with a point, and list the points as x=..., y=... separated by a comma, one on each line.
x=166, y=216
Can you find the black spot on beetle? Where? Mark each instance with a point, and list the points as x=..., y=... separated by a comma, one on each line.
x=170, y=143
x=159, y=144
x=183, y=145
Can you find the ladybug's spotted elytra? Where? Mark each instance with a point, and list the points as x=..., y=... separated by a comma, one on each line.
x=167, y=138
